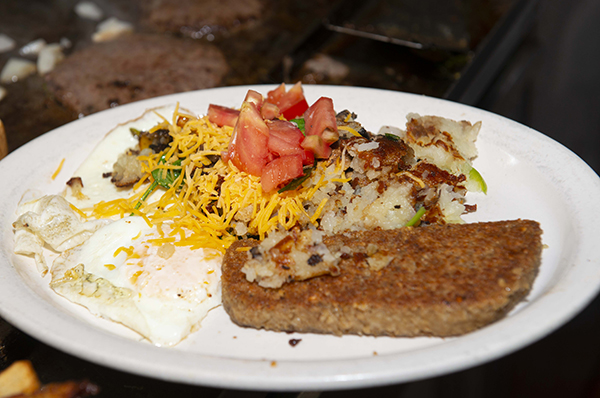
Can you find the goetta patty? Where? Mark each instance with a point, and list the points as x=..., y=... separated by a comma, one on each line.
x=444, y=280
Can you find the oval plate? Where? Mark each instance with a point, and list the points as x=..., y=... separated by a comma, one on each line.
x=528, y=176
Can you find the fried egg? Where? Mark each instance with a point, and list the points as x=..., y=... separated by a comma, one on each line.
x=50, y=221
x=122, y=273
x=123, y=270
x=99, y=164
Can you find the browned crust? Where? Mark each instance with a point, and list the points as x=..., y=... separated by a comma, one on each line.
x=444, y=281
x=389, y=153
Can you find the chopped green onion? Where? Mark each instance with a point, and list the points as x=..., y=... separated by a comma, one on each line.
x=166, y=182
x=477, y=178
x=416, y=217
x=169, y=177
x=300, y=123
x=296, y=182
x=392, y=137
x=146, y=194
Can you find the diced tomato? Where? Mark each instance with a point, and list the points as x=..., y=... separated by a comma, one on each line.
x=222, y=116
x=309, y=158
x=319, y=120
x=295, y=110
x=293, y=96
x=330, y=136
x=248, y=147
x=254, y=97
x=292, y=103
x=274, y=96
x=316, y=145
x=276, y=150
x=282, y=148
x=270, y=111
x=284, y=138
x=280, y=171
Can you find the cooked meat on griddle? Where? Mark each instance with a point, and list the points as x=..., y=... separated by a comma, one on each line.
x=197, y=18
x=324, y=68
x=132, y=68
x=435, y=281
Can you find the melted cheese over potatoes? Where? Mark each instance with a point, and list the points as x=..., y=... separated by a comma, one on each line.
x=125, y=273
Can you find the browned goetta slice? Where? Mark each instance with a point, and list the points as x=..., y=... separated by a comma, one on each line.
x=442, y=281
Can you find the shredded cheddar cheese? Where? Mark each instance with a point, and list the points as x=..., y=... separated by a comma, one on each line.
x=76, y=210
x=134, y=278
x=208, y=200
x=350, y=130
x=60, y=166
x=413, y=177
x=127, y=250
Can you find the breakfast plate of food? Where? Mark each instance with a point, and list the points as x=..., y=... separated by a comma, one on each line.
x=295, y=237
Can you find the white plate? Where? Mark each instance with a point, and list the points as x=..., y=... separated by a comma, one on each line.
x=528, y=174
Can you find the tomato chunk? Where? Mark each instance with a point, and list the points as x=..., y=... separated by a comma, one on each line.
x=316, y=145
x=222, y=116
x=319, y=120
x=284, y=138
x=255, y=97
x=280, y=171
x=270, y=111
x=274, y=149
x=292, y=103
x=309, y=158
x=248, y=147
x=295, y=110
x=274, y=96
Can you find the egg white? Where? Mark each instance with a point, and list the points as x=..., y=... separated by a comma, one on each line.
x=98, y=188
x=117, y=272
x=50, y=221
x=119, y=275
